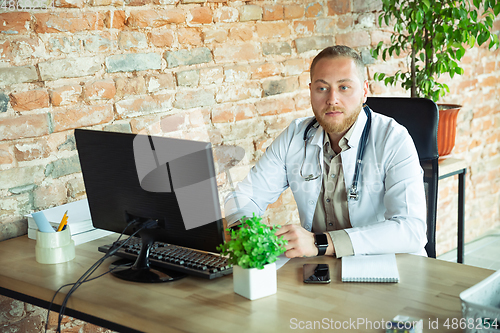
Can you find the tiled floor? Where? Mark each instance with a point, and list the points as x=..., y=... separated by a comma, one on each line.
x=482, y=252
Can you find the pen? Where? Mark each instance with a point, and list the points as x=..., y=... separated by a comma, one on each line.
x=63, y=221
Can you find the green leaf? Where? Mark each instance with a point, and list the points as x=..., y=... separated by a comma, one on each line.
x=473, y=15
x=253, y=245
x=496, y=9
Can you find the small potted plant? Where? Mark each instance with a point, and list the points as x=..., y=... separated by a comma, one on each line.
x=435, y=34
x=253, y=250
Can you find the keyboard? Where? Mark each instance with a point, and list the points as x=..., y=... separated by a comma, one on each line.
x=177, y=258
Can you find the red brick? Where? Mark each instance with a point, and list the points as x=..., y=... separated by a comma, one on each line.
x=239, y=92
x=68, y=3
x=236, y=53
x=115, y=19
x=380, y=36
x=132, y=40
x=24, y=126
x=272, y=13
x=353, y=39
x=29, y=100
x=65, y=95
x=273, y=30
x=6, y=157
x=99, y=90
x=64, y=119
x=189, y=36
x=226, y=15
x=69, y=21
x=130, y=86
x=116, y=3
x=29, y=150
x=223, y=113
x=144, y=123
x=243, y=33
x=337, y=7
x=279, y=86
x=269, y=107
x=490, y=81
x=293, y=11
x=160, y=82
x=314, y=10
x=490, y=66
x=482, y=111
x=304, y=80
x=302, y=101
x=200, y=15
x=6, y=51
x=50, y=195
x=303, y=27
x=14, y=22
x=345, y=21
x=267, y=69
x=173, y=123
x=467, y=84
x=215, y=36
x=154, y=18
x=161, y=38
x=137, y=2
x=244, y=111
x=211, y=75
x=294, y=67
x=144, y=104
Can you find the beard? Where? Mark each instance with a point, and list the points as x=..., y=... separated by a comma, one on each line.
x=339, y=127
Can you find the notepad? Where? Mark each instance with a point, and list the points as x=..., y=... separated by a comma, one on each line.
x=370, y=268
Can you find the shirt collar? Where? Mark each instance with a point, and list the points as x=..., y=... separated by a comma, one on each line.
x=344, y=140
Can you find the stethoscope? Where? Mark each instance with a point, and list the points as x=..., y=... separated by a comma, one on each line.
x=353, y=191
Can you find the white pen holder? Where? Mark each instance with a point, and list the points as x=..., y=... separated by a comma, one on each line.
x=54, y=247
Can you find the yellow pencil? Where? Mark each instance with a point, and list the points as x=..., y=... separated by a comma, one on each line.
x=63, y=222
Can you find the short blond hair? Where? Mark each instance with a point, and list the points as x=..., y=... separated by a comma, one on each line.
x=337, y=51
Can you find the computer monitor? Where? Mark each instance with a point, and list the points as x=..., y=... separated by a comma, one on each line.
x=124, y=185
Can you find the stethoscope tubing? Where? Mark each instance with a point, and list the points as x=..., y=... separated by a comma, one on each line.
x=353, y=191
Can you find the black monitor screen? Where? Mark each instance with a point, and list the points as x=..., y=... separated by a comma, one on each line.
x=115, y=195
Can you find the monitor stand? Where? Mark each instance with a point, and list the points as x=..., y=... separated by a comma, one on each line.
x=141, y=271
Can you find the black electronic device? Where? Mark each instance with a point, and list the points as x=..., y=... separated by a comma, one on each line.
x=116, y=195
x=316, y=273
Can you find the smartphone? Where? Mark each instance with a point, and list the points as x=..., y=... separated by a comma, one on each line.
x=316, y=273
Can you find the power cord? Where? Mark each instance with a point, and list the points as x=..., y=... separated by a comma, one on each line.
x=85, y=276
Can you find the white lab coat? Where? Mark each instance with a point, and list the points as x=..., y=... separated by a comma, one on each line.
x=389, y=216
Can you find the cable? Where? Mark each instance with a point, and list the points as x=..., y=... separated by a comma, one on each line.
x=88, y=273
x=91, y=270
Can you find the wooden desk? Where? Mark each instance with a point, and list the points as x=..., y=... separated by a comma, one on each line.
x=429, y=289
x=449, y=167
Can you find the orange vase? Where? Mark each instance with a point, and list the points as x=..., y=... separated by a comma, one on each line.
x=447, y=128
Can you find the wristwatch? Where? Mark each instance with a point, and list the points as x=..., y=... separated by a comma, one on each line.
x=321, y=242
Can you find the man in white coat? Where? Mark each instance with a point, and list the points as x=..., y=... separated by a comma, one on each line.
x=384, y=211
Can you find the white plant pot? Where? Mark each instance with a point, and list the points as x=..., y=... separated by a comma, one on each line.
x=254, y=283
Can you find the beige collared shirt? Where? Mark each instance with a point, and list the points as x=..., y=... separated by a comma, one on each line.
x=332, y=214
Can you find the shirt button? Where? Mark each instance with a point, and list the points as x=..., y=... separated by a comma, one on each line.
x=311, y=202
x=330, y=224
x=332, y=176
x=327, y=200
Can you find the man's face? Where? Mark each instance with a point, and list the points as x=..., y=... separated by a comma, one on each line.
x=337, y=94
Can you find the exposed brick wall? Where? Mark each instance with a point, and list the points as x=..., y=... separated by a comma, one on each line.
x=230, y=71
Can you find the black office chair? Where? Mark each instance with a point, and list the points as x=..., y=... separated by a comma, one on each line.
x=420, y=117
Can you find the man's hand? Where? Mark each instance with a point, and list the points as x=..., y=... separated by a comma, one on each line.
x=300, y=241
